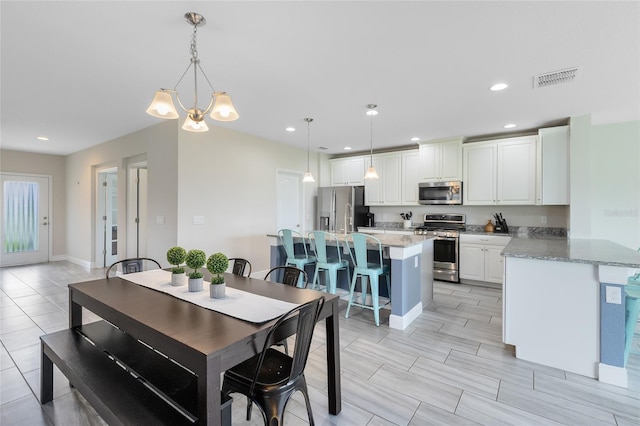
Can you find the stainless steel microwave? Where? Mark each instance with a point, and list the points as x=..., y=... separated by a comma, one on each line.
x=440, y=193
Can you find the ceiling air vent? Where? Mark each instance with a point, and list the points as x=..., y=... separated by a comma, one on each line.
x=556, y=77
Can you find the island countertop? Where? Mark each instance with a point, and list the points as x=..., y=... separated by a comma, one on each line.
x=390, y=240
x=595, y=252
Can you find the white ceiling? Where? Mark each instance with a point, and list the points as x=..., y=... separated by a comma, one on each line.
x=82, y=73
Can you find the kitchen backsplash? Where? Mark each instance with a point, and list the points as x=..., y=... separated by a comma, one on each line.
x=516, y=216
x=516, y=231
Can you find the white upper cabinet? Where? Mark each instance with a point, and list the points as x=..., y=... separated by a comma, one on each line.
x=479, y=164
x=347, y=171
x=500, y=172
x=517, y=171
x=386, y=190
x=553, y=166
x=441, y=160
x=410, y=177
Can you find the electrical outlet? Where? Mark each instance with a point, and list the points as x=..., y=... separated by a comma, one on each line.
x=613, y=295
x=543, y=220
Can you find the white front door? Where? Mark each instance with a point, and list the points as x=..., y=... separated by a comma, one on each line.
x=289, y=194
x=24, y=231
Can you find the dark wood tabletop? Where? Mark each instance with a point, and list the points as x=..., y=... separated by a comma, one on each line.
x=205, y=341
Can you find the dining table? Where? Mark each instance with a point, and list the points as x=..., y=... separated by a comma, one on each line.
x=203, y=340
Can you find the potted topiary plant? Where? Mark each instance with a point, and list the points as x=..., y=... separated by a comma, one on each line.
x=176, y=257
x=195, y=260
x=217, y=264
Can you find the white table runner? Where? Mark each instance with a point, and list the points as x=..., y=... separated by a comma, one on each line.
x=237, y=303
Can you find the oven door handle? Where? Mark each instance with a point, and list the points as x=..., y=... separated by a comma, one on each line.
x=446, y=238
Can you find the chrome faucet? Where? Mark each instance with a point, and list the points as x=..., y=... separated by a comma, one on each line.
x=347, y=215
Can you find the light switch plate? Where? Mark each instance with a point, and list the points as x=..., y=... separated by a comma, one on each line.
x=198, y=220
x=613, y=295
x=159, y=220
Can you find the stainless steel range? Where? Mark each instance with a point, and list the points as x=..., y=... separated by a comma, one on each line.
x=446, y=230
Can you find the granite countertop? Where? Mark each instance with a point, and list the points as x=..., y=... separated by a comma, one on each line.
x=596, y=252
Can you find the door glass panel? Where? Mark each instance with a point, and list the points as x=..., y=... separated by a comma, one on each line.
x=20, y=216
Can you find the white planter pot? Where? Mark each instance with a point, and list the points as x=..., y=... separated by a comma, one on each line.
x=178, y=279
x=217, y=291
x=406, y=224
x=195, y=284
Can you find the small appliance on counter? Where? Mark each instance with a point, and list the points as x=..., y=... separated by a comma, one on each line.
x=371, y=220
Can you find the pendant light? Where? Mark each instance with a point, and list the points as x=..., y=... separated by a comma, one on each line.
x=371, y=171
x=220, y=104
x=308, y=177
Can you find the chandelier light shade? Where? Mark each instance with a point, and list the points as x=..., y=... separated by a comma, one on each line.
x=308, y=177
x=371, y=171
x=220, y=105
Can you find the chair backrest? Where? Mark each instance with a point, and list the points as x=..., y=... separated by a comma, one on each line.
x=240, y=266
x=320, y=240
x=307, y=316
x=357, y=245
x=290, y=275
x=287, y=239
x=134, y=264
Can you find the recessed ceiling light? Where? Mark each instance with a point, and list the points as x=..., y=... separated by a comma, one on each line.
x=415, y=139
x=290, y=129
x=347, y=148
x=509, y=126
x=499, y=86
x=322, y=148
x=42, y=138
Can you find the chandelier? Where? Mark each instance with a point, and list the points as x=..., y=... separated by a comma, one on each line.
x=220, y=104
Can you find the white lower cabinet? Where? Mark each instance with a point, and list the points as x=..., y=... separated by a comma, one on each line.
x=480, y=258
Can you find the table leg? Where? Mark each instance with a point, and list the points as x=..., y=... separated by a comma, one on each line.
x=333, y=359
x=46, y=377
x=75, y=312
x=209, y=397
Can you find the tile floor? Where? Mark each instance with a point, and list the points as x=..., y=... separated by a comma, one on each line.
x=448, y=367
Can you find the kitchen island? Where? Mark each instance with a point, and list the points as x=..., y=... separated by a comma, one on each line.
x=555, y=308
x=411, y=261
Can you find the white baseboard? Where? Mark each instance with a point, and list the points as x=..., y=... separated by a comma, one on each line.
x=81, y=262
x=402, y=322
x=612, y=375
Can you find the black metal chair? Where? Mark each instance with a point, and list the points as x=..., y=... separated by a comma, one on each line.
x=271, y=377
x=134, y=264
x=240, y=265
x=290, y=276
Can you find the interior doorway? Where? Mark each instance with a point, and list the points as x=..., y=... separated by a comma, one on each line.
x=137, y=182
x=24, y=229
x=107, y=217
x=290, y=210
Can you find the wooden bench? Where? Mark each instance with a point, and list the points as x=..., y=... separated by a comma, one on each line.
x=126, y=381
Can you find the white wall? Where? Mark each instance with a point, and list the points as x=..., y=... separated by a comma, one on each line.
x=44, y=164
x=615, y=183
x=159, y=143
x=229, y=178
x=580, y=176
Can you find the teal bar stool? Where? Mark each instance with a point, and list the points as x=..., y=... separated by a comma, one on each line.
x=323, y=262
x=299, y=260
x=367, y=271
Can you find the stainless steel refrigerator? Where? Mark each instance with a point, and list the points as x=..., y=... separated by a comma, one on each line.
x=341, y=208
